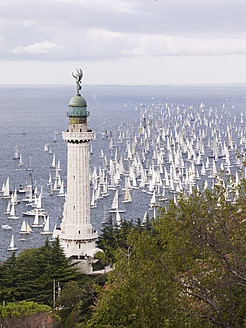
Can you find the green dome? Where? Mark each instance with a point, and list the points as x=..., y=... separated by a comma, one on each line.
x=77, y=101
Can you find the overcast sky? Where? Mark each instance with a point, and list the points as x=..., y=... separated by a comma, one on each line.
x=123, y=41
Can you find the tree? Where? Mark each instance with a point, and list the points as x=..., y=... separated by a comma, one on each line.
x=190, y=272
x=113, y=238
x=27, y=315
x=68, y=303
x=204, y=240
x=30, y=276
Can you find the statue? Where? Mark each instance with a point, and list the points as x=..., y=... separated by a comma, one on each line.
x=78, y=78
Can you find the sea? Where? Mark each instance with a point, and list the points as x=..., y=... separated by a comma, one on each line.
x=32, y=116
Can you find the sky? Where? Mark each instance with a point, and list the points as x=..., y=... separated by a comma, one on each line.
x=126, y=42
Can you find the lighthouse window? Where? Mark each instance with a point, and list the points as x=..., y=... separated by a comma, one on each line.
x=79, y=245
x=80, y=130
x=74, y=207
x=74, y=177
x=79, y=232
x=67, y=245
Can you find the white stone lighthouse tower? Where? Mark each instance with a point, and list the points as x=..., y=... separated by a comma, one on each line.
x=76, y=234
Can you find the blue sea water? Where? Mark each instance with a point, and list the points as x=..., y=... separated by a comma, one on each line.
x=29, y=116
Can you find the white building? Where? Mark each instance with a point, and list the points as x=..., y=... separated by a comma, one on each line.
x=76, y=234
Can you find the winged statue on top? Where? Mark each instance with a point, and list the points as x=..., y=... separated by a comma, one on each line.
x=78, y=77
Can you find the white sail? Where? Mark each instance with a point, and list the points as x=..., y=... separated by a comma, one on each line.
x=53, y=164
x=59, y=165
x=145, y=219
x=127, y=197
x=25, y=228
x=12, y=246
x=36, y=223
x=93, y=203
x=12, y=212
x=21, y=162
x=8, y=209
x=115, y=203
x=39, y=202
x=46, y=147
x=118, y=219
x=152, y=201
x=55, y=187
x=46, y=230
x=61, y=191
x=16, y=153
x=6, y=189
x=203, y=170
x=30, y=166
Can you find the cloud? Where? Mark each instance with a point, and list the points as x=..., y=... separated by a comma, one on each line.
x=161, y=45
x=105, y=29
x=44, y=47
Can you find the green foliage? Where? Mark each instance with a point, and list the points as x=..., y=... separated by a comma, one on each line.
x=30, y=275
x=68, y=303
x=27, y=314
x=102, y=261
x=113, y=238
x=189, y=272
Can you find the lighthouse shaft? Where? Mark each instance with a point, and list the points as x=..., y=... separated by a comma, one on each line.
x=77, y=209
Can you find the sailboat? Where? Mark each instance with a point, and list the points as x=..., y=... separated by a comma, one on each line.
x=16, y=153
x=59, y=165
x=54, y=137
x=6, y=193
x=61, y=191
x=46, y=227
x=152, y=202
x=30, y=165
x=93, y=202
x=145, y=219
x=53, y=164
x=36, y=223
x=25, y=228
x=45, y=147
x=12, y=213
x=8, y=209
x=12, y=246
x=118, y=219
x=127, y=197
x=105, y=219
x=115, y=203
x=21, y=162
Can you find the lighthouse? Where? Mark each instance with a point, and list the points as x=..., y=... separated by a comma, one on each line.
x=76, y=234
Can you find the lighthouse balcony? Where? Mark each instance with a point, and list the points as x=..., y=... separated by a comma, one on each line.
x=77, y=136
x=81, y=238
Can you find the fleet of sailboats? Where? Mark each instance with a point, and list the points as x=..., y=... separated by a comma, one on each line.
x=167, y=152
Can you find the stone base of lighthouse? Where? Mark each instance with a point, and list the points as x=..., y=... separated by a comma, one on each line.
x=80, y=249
